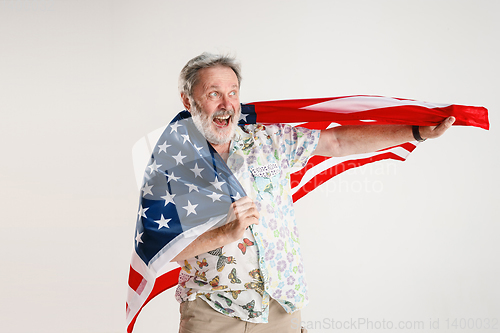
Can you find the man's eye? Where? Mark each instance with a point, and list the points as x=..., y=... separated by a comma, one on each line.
x=232, y=93
x=213, y=94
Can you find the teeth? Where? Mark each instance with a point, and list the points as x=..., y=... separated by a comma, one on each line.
x=223, y=118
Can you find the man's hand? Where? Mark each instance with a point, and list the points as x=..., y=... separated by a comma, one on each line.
x=432, y=132
x=241, y=215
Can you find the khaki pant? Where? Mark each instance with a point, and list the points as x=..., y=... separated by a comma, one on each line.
x=199, y=317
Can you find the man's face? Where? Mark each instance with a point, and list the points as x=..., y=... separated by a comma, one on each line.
x=216, y=108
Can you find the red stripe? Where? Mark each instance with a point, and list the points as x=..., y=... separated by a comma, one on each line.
x=327, y=174
x=162, y=283
x=136, y=281
x=296, y=177
x=408, y=146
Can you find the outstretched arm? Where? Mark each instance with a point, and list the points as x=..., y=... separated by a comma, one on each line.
x=348, y=140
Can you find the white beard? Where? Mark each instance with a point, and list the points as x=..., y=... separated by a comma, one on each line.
x=203, y=123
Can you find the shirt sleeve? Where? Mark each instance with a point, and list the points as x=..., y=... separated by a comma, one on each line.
x=296, y=144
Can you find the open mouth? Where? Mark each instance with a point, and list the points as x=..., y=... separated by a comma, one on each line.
x=222, y=121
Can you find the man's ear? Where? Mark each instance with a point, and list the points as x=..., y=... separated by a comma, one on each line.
x=185, y=101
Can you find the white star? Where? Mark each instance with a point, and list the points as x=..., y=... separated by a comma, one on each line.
x=174, y=126
x=217, y=184
x=154, y=167
x=214, y=196
x=142, y=212
x=237, y=197
x=163, y=147
x=243, y=116
x=192, y=187
x=190, y=208
x=172, y=177
x=198, y=148
x=178, y=158
x=138, y=237
x=147, y=189
x=163, y=222
x=186, y=138
x=197, y=171
x=169, y=198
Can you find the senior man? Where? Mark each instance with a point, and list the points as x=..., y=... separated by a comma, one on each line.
x=248, y=274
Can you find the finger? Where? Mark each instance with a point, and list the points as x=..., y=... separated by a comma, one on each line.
x=251, y=214
x=244, y=199
x=451, y=119
x=444, y=126
x=246, y=211
x=250, y=219
x=432, y=132
x=243, y=204
x=241, y=208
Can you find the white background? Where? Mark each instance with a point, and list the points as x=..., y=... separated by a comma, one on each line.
x=82, y=81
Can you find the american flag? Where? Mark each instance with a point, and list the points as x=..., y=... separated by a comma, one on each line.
x=187, y=188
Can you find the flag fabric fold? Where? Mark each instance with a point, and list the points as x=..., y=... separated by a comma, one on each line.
x=363, y=109
x=188, y=188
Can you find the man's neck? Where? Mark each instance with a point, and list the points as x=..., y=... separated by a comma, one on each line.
x=223, y=150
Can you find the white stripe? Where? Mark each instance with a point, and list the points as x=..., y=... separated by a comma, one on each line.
x=332, y=125
x=331, y=162
x=297, y=124
x=300, y=124
x=169, y=266
x=364, y=103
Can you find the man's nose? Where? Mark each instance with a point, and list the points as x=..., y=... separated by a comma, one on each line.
x=226, y=103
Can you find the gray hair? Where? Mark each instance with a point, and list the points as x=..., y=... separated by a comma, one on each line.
x=189, y=74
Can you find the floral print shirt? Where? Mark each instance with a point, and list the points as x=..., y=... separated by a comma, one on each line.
x=239, y=278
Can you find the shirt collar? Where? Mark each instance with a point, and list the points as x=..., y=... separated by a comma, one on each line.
x=241, y=140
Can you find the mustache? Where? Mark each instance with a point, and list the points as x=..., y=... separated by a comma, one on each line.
x=222, y=113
